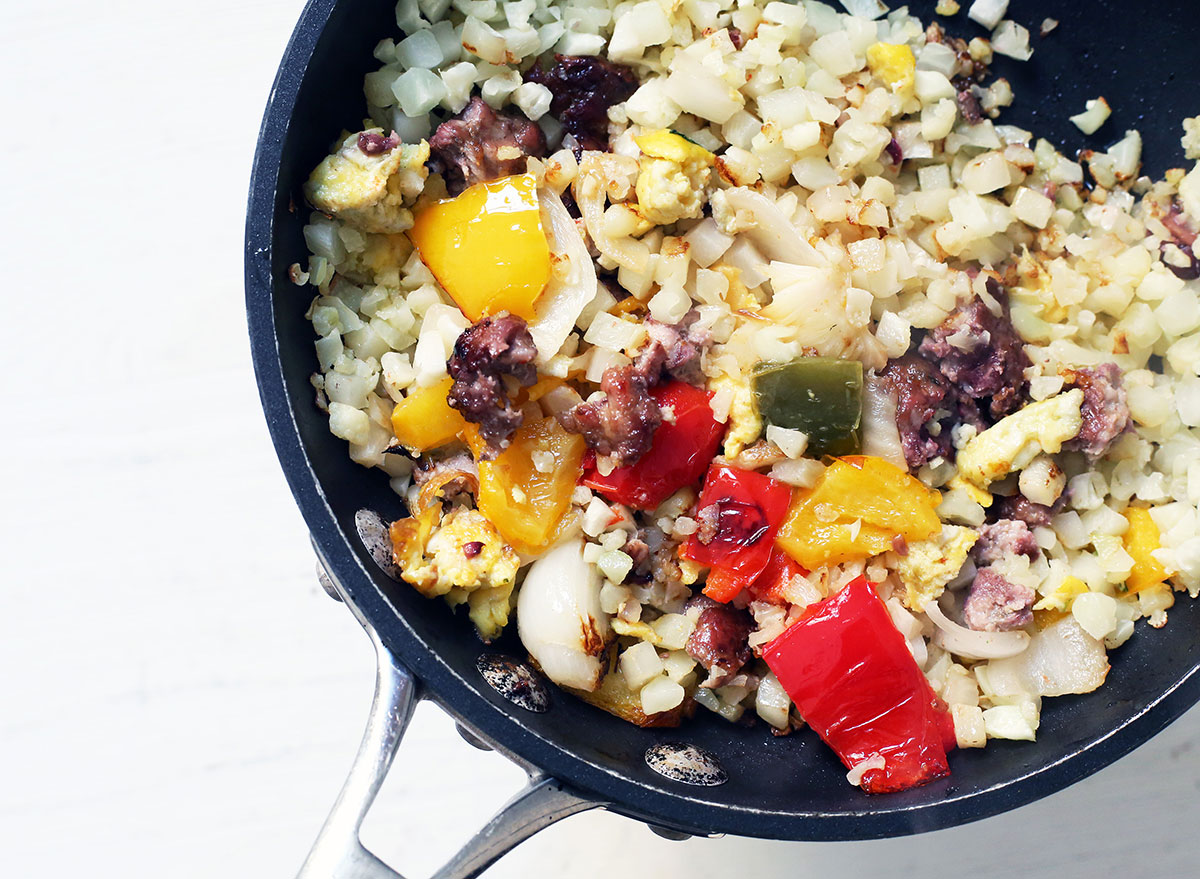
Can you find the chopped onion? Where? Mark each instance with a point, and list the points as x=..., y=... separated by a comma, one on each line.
x=772, y=232
x=1062, y=658
x=880, y=436
x=988, y=12
x=771, y=701
x=602, y=174
x=870, y=9
x=559, y=618
x=572, y=284
x=1094, y=115
x=970, y=644
x=1012, y=40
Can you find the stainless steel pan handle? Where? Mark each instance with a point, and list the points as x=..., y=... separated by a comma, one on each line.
x=338, y=852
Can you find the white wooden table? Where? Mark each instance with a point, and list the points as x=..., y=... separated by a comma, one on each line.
x=178, y=697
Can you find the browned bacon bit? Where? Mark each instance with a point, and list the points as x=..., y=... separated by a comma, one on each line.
x=996, y=605
x=1180, y=260
x=472, y=549
x=968, y=104
x=622, y=425
x=486, y=351
x=720, y=641
x=376, y=144
x=981, y=355
x=1004, y=539
x=1178, y=225
x=480, y=144
x=583, y=88
x=1105, y=412
x=684, y=345
x=1179, y=254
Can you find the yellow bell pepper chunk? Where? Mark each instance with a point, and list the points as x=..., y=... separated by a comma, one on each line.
x=424, y=419
x=1141, y=540
x=858, y=507
x=895, y=65
x=1063, y=595
x=487, y=247
x=525, y=501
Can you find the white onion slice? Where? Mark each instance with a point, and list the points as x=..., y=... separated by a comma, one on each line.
x=880, y=436
x=1062, y=658
x=571, y=286
x=559, y=618
x=970, y=644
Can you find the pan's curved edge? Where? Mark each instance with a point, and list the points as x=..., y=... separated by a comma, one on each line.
x=639, y=801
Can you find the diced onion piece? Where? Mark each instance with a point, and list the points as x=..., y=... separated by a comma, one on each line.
x=572, y=283
x=988, y=12
x=661, y=694
x=881, y=437
x=1009, y=722
x=771, y=701
x=970, y=644
x=1062, y=658
x=1095, y=114
x=640, y=664
x=1012, y=39
x=970, y=730
x=870, y=9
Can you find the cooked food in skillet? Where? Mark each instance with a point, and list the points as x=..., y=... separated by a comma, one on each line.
x=743, y=359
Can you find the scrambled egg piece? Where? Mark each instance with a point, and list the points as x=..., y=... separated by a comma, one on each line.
x=673, y=174
x=1013, y=442
x=369, y=191
x=738, y=297
x=1062, y=596
x=981, y=497
x=895, y=65
x=463, y=559
x=931, y=564
x=745, y=424
x=636, y=630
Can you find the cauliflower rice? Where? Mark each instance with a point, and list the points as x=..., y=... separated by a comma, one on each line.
x=784, y=181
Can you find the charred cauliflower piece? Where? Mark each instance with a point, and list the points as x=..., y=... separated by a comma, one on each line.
x=368, y=181
x=463, y=559
x=673, y=174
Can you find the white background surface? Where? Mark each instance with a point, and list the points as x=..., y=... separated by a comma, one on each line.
x=178, y=697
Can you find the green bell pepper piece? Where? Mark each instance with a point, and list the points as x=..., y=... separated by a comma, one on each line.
x=821, y=396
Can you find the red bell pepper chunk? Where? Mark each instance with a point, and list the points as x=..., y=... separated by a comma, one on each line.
x=849, y=671
x=724, y=585
x=683, y=448
x=775, y=576
x=749, y=508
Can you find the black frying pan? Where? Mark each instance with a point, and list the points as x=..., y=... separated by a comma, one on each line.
x=1138, y=56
